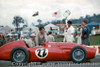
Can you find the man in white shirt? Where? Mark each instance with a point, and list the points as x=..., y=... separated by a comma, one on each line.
x=50, y=37
x=65, y=31
x=65, y=34
x=70, y=32
x=31, y=42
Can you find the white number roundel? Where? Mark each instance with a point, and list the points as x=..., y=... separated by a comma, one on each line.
x=41, y=53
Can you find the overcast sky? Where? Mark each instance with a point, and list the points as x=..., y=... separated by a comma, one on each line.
x=25, y=9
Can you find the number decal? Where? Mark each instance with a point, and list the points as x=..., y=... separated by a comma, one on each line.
x=41, y=53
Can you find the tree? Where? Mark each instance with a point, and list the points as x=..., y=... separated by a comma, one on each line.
x=17, y=20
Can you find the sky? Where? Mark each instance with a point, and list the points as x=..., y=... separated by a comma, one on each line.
x=25, y=9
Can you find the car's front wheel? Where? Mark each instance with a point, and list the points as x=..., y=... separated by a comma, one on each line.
x=78, y=54
x=19, y=55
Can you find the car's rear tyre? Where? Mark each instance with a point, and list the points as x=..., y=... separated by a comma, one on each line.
x=78, y=54
x=19, y=55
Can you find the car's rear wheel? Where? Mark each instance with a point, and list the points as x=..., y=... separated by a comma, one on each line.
x=19, y=55
x=78, y=54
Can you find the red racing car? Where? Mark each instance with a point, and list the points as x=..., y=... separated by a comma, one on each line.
x=19, y=52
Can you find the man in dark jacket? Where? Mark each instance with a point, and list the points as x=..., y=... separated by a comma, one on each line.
x=85, y=34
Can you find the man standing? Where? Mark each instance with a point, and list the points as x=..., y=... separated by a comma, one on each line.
x=65, y=33
x=70, y=32
x=31, y=42
x=50, y=37
x=85, y=33
x=41, y=36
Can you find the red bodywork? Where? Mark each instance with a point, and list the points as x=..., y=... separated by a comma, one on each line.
x=56, y=51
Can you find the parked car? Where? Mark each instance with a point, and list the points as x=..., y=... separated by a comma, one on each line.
x=19, y=52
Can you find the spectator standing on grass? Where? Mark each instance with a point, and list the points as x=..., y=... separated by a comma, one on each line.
x=41, y=37
x=85, y=34
x=79, y=34
x=50, y=37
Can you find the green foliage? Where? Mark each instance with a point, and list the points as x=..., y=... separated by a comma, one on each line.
x=88, y=18
x=17, y=20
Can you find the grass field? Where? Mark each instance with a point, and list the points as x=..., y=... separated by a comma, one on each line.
x=94, y=40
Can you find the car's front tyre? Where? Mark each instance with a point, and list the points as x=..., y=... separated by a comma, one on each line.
x=19, y=55
x=78, y=54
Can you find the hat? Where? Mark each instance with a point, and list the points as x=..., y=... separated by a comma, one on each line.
x=69, y=22
x=33, y=35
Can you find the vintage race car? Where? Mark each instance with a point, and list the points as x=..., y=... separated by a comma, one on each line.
x=19, y=52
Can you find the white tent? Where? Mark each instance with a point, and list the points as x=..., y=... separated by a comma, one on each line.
x=6, y=29
x=47, y=27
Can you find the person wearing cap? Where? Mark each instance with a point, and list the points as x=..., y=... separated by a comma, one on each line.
x=70, y=32
x=85, y=34
x=31, y=42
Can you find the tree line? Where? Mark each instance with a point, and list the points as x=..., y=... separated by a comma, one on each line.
x=94, y=18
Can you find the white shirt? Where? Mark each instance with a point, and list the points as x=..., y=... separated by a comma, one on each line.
x=79, y=37
x=70, y=31
x=50, y=38
x=30, y=43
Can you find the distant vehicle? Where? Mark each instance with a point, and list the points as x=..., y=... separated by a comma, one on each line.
x=19, y=52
